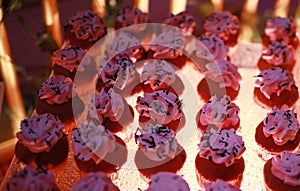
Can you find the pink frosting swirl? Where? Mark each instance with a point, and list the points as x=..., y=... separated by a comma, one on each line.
x=40, y=133
x=223, y=72
x=157, y=142
x=158, y=74
x=220, y=112
x=57, y=90
x=92, y=141
x=95, y=181
x=274, y=80
x=222, y=146
x=30, y=179
x=183, y=20
x=280, y=28
x=223, y=24
x=108, y=105
x=69, y=58
x=281, y=124
x=286, y=167
x=162, y=106
x=167, y=181
x=214, y=49
x=220, y=185
x=168, y=45
x=87, y=26
x=279, y=54
x=119, y=72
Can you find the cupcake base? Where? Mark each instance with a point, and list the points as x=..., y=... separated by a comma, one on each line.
x=266, y=41
x=272, y=183
x=208, y=171
x=263, y=65
x=177, y=63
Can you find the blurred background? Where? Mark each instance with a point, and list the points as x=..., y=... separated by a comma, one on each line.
x=32, y=30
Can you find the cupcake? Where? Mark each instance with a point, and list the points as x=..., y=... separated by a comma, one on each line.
x=223, y=24
x=280, y=29
x=208, y=49
x=170, y=46
x=218, y=114
x=167, y=181
x=97, y=149
x=161, y=107
x=57, y=95
x=220, y=185
x=275, y=87
x=31, y=178
x=113, y=110
x=220, y=157
x=277, y=55
x=84, y=29
x=221, y=78
x=97, y=181
x=183, y=20
x=119, y=74
x=158, y=150
x=282, y=172
x=41, y=141
x=160, y=75
x=278, y=132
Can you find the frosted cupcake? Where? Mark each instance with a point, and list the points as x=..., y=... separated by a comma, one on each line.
x=161, y=107
x=221, y=78
x=218, y=114
x=277, y=54
x=167, y=181
x=220, y=185
x=84, y=29
x=282, y=172
x=280, y=29
x=97, y=149
x=158, y=150
x=41, y=141
x=97, y=181
x=275, y=87
x=223, y=24
x=220, y=157
x=278, y=132
x=30, y=178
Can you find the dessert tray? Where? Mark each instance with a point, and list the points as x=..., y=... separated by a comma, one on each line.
x=245, y=56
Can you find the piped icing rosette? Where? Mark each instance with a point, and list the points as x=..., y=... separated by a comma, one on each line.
x=161, y=106
x=183, y=20
x=224, y=24
x=30, y=179
x=97, y=181
x=167, y=181
x=225, y=73
x=129, y=16
x=87, y=26
x=211, y=47
x=70, y=58
x=281, y=29
x=40, y=133
x=168, y=45
x=286, y=167
x=223, y=146
x=220, y=185
x=108, y=105
x=57, y=90
x=159, y=74
x=157, y=142
x=279, y=54
x=220, y=112
x=92, y=141
x=118, y=72
x=125, y=45
x=274, y=80
x=281, y=124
